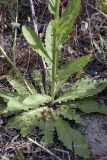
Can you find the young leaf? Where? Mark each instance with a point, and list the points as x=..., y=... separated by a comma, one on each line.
x=37, y=99
x=68, y=136
x=49, y=39
x=52, y=6
x=26, y=121
x=70, y=114
x=83, y=88
x=47, y=128
x=65, y=24
x=35, y=43
x=71, y=68
x=91, y=106
x=49, y=46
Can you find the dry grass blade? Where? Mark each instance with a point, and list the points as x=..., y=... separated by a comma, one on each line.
x=44, y=148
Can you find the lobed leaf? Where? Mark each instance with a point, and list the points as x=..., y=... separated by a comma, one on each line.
x=36, y=99
x=64, y=25
x=26, y=121
x=83, y=88
x=8, y=95
x=71, y=68
x=91, y=106
x=49, y=43
x=37, y=79
x=47, y=129
x=49, y=39
x=67, y=112
x=68, y=136
x=15, y=106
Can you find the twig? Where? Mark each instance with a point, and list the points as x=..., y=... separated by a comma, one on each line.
x=63, y=151
x=45, y=149
x=16, y=69
x=45, y=75
x=89, y=23
x=73, y=151
x=105, y=15
x=15, y=34
x=34, y=16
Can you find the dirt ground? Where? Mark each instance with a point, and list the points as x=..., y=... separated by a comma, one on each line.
x=89, y=26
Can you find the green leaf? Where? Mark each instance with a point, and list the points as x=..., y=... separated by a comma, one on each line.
x=15, y=106
x=71, y=68
x=52, y=6
x=67, y=136
x=18, y=85
x=47, y=128
x=8, y=95
x=37, y=78
x=35, y=43
x=70, y=114
x=91, y=106
x=49, y=44
x=64, y=25
x=83, y=88
x=26, y=121
x=37, y=99
x=49, y=39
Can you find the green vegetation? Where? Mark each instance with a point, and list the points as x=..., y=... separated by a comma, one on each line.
x=102, y=5
x=50, y=110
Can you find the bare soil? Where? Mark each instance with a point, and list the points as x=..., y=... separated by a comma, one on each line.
x=90, y=24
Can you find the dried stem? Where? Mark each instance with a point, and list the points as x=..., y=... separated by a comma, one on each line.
x=44, y=148
x=16, y=69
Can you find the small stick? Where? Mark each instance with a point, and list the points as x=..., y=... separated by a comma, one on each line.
x=15, y=34
x=73, y=151
x=45, y=72
x=63, y=151
x=89, y=22
x=16, y=69
x=34, y=16
x=45, y=149
x=96, y=9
